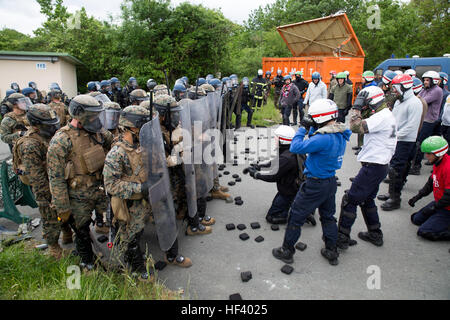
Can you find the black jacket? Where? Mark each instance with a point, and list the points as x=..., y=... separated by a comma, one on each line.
x=302, y=85
x=287, y=175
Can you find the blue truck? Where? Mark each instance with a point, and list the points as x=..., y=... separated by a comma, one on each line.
x=421, y=65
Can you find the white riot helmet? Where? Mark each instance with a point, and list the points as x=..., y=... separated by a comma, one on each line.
x=398, y=72
x=260, y=72
x=285, y=134
x=411, y=72
x=435, y=77
x=375, y=96
x=323, y=110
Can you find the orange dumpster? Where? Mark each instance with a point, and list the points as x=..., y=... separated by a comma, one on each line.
x=321, y=45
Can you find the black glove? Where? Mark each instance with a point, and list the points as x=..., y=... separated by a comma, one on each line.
x=144, y=188
x=254, y=174
x=413, y=200
x=361, y=100
x=256, y=166
x=307, y=122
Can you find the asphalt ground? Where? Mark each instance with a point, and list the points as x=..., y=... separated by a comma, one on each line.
x=407, y=267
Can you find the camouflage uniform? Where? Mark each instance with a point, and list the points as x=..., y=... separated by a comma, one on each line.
x=62, y=112
x=75, y=162
x=123, y=175
x=30, y=154
x=12, y=126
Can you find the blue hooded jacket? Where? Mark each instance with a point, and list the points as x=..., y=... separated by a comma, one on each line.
x=326, y=148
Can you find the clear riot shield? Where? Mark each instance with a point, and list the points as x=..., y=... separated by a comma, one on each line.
x=160, y=196
x=213, y=104
x=188, y=161
x=203, y=162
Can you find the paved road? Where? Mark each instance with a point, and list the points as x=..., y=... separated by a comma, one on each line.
x=411, y=268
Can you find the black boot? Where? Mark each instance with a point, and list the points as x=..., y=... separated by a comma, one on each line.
x=84, y=248
x=283, y=254
x=331, y=254
x=238, y=121
x=294, y=112
x=310, y=219
x=249, y=120
x=383, y=197
x=273, y=219
x=393, y=203
x=374, y=237
x=343, y=241
x=135, y=258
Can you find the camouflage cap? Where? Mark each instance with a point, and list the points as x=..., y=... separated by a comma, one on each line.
x=207, y=87
x=134, y=117
x=164, y=99
x=160, y=89
x=111, y=106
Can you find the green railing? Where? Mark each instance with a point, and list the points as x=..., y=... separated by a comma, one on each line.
x=14, y=193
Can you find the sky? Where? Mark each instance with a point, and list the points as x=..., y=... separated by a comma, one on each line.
x=24, y=15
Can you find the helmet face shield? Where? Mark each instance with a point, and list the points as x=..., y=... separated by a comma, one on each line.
x=24, y=103
x=234, y=82
x=90, y=120
x=245, y=82
x=110, y=119
x=102, y=97
x=138, y=120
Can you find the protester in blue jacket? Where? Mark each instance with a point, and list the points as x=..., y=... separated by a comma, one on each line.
x=325, y=148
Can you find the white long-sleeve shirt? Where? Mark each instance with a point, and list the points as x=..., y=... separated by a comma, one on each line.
x=315, y=92
x=408, y=115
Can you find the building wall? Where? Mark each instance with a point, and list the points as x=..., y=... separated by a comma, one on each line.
x=24, y=71
x=68, y=77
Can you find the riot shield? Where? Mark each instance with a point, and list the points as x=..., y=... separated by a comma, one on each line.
x=203, y=162
x=188, y=161
x=159, y=194
x=213, y=105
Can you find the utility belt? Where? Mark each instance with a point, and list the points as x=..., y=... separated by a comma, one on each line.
x=371, y=164
x=322, y=179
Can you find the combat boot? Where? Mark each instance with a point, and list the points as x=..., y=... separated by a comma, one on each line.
x=331, y=254
x=179, y=261
x=392, y=203
x=218, y=194
x=343, y=241
x=100, y=227
x=374, y=237
x=207, y=221
x=283, y=254
x=67, y=236
x=200, y=230
x=383, y=197
x=238, y=121
x=311, y=220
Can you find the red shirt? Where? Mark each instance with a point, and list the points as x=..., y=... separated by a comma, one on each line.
x=441, y=178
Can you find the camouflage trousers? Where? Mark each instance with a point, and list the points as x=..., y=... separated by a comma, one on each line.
x=82, y=208
x=177, y=186
x=51, y=227
x=140, y=212
x=276, y=96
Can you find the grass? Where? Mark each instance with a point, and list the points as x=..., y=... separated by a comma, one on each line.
x=267, y=115
x=29, y=274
